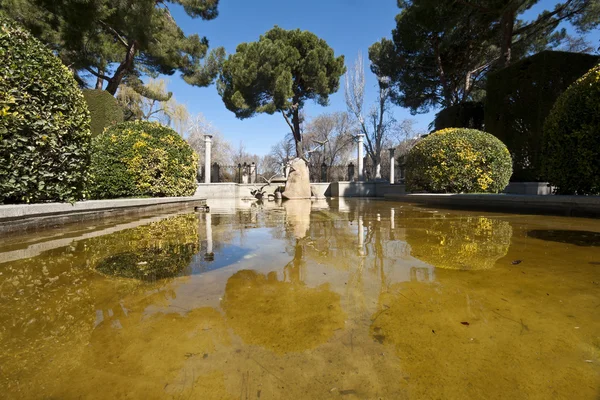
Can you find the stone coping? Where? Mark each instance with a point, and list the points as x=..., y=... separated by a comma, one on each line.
x=585, y=206
x=17, y=217
x=13, y=211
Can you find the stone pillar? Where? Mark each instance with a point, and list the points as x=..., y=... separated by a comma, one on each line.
x=253, y=172
x=392, y=166
x=361, y=173
x=245, y=169
x=207, y=150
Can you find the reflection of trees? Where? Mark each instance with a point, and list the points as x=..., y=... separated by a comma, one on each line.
x=155, y=251
x=467, y=243
x=48, y=302
x=281, y=316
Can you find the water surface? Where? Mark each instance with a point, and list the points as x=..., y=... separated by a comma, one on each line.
x=332, y=299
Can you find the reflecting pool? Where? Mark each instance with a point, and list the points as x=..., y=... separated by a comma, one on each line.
x=350, y=299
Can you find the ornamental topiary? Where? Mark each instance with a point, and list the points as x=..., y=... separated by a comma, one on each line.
x=104, y=110
x=44, y=123
x=140, y=158
x=458, y=160
x=571, y=153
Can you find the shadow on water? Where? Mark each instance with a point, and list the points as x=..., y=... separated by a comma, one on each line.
x=578, y=238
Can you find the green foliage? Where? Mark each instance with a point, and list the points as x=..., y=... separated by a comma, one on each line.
x=148, y=253
x=571, y=155
x=116, y=39
x=44, y=123
x=104, y=110
x=520, y=97
x=458, y=160
x=134, y=159
x=437, y=55
x=464, y=243
x=278, y=73
x=462, y=115
x=441, y=51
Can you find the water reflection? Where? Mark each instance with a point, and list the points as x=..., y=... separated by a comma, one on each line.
x=467, y=243
x=279, y=315
x=352, y=299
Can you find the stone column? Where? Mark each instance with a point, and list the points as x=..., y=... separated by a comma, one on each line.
x=392, y=166
x=253, y=172
x=392, y=218
x=361, y=173
x=207, y=150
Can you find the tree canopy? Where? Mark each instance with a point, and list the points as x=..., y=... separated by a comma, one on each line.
x=112, y=40
x=279, y=73
x=440, y=52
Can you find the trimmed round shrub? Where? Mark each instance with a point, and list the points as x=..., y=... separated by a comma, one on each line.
x=44, y=123
x=571, y=153
x=104, y=110
x=139, y=159
x=458, y=160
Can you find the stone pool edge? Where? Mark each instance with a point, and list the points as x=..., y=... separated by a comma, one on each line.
x=21, y=217
x=573, y=206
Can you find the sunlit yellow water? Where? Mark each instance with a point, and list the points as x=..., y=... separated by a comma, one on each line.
x=325, y=300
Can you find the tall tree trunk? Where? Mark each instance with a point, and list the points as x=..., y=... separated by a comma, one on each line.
x=507, y=26
x=123, y=69
x=440, y=67
x=99, y=81
x=297, y=134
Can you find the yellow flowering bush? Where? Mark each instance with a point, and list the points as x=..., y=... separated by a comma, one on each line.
x=458, y=160
x=571, y=152
x=140, y=158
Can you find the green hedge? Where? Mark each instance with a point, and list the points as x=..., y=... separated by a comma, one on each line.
x=458, y=160
x=104, y=110
x=140, y=158
x=520, y=97
x=571, y=155
x=464, y=115
x=44, y=123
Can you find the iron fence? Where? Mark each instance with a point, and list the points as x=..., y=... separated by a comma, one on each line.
x=241, y=173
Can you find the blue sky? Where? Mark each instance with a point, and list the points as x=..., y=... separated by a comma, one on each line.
x=348, y=26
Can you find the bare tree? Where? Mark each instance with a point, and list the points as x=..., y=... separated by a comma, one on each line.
x=406, y=136
x=378, y=123
x=282, y=152
x=577, y=44
x=161, y=106
x=197, y=127
x=334, y=136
